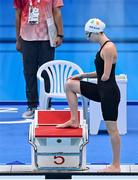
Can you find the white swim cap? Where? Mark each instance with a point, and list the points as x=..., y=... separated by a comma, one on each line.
x=94, y=25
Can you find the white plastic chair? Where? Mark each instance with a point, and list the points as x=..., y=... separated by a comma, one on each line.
x=58, y=71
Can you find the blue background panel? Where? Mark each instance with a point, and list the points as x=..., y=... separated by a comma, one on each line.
x=121, y=27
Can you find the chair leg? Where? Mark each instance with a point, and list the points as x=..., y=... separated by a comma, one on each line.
x=95, y=117
x=85, y=102
x=47, y=99
x=44, y=102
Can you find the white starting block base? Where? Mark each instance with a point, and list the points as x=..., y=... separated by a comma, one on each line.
x=61, y=153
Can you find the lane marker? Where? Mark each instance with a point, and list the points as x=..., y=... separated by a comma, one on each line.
x=9, y=110
x=18, y=122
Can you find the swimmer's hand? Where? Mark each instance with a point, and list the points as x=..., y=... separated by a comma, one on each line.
x=104, y=77
x=76, y=77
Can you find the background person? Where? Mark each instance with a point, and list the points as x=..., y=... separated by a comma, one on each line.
x=33, y=41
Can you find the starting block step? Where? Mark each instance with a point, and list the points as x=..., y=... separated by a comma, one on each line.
x=52, y=131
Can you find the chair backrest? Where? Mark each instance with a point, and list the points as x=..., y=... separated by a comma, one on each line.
x=58, y=71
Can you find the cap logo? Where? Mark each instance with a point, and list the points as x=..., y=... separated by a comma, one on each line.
x=97, y=22
x=92, y=21
x=94, y=27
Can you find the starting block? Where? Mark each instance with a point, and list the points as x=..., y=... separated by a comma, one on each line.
x=58, y=148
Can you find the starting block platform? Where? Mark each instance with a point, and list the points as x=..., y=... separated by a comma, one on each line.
x=57, y=148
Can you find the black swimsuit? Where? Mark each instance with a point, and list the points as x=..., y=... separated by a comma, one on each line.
x=106, y=92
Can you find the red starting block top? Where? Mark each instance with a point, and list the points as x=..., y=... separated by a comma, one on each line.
x=52, y=131
x=54, y=116
x=47, y=121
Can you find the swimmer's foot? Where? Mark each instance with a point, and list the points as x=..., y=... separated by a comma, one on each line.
x=70, y=123
x=111, y=168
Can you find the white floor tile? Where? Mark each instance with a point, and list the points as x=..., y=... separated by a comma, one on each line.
x=125, y=168
x=21, y=168
x=95, y=168
x=134, y=168
x=5, y=168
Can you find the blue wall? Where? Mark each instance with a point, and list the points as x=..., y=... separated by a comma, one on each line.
x=122, y=27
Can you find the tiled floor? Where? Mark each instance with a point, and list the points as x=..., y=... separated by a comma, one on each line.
x=28, y=168
x=92, y=168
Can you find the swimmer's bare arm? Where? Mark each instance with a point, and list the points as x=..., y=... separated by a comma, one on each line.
x=108, y=57
x=84, y=75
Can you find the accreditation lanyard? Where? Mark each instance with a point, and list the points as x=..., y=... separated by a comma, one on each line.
x=31, y=4
x=33, y=16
